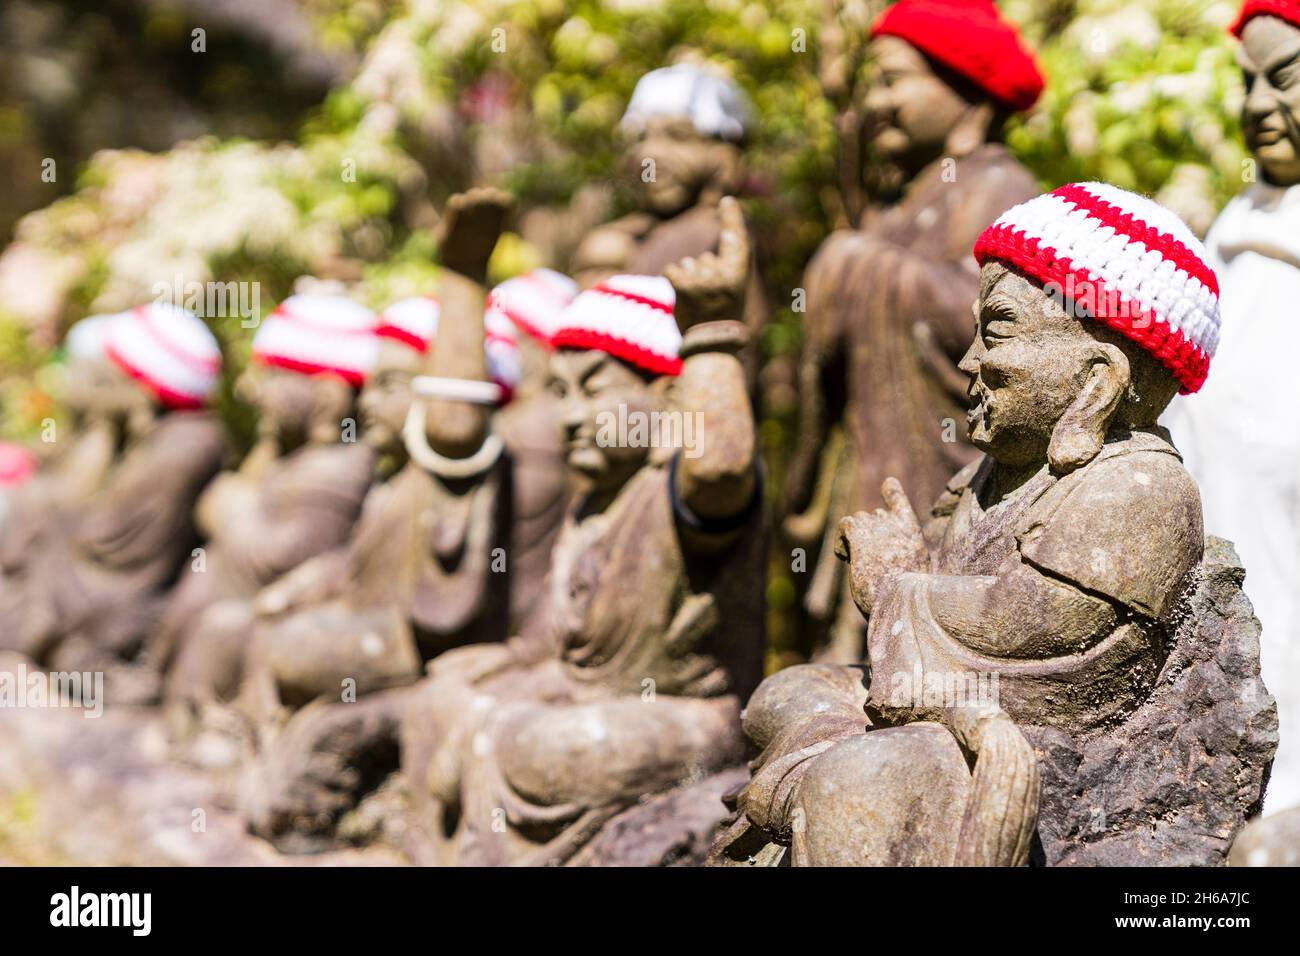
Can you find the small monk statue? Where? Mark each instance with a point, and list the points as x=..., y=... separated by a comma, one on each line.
x=1240, y=436
x=888, y=302
x=1046, y=585
x=427, y=567
x=94, y=590
x=296, y=494
x=685, y=128
x=628, y=679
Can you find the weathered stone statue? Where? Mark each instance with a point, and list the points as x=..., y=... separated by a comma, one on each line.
x=628, y=680
x=685, y=128
x=1240, y=436
x=296, y=494
x=427, y=568
x=888, y=303
x=92, y=590
x=1056, y=653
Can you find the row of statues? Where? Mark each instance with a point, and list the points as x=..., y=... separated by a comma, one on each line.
x=449, y=584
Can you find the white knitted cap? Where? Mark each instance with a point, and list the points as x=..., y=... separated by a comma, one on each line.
x=1126, y=260
x=714, y=104
x=534, y=301
x=412, y=321
x=629, y=317
x=167, y=349
x=316, y=333
x=87, y=338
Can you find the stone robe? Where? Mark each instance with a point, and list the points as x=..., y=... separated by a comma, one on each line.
x=96, y=589
x=627, y=682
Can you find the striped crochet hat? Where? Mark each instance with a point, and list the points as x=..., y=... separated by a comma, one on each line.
x=629, y=317
x=414, y=323
x=316, y=333
x=1126, y=260
x=167, y=349
x=534, y=301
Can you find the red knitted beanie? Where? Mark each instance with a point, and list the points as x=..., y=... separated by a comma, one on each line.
x=1288, y=10
x=969, y=36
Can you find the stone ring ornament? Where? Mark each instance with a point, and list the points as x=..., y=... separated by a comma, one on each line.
x=417, y=446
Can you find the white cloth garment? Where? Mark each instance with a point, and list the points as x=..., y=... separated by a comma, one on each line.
x=1240, y=437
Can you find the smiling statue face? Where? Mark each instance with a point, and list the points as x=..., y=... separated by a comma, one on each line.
x=909, y=107
x=386, y=398
x=1270, y=118
x=595, y=389
x=671, y=165
x=1028, y=363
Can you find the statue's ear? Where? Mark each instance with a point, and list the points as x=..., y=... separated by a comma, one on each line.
x=972, y=130
x=1081, y=431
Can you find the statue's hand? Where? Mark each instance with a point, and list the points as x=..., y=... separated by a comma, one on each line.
x=471, y=225
x=881, y=542
x=711, y=287
x=471, y=664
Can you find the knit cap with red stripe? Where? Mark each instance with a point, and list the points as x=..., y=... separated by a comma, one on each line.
x=629, y=317
x=1125, y=261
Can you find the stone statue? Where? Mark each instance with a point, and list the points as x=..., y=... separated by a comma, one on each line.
x=888, y=303
x=685, y=128
x=296, y=494
x=1240, y=436
x=628, y=680
x=1045, y=645
x=90, y=592
x=427, y=568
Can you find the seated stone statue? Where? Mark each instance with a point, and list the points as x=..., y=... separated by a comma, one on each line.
x=627, y=681
x=1052, y=599
x=428, y=566
x=685, y=129
x=90, y=595
x=296, y=494
x=888, y=301
x=1241, y=436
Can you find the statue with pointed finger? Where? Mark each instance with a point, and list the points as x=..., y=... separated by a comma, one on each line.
x=626, y=683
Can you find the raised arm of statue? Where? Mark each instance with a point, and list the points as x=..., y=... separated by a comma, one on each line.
x=471, y=225
x=716, y=479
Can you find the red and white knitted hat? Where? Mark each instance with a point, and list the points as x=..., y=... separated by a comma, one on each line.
x=167, y=349
x=534, y=301
x=316, y=334
x=412, y=321
x=629, y=317
x=1288, y=10
x=970, y=37
x=1126, y=260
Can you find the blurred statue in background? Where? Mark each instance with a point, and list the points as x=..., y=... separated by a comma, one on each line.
x=685, y=129
x=1241, y=435
x=296, y=494
x=1044, y=655
x=90, y=585
x=428, y=568
x=888, y=303
x=627, y=682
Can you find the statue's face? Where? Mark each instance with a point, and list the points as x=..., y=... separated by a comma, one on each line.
x=292, y=406
x=597, y=391
x=1028, y=363
x=670, y=164
x=386, y=398
x=1270, y=118
x=910, y=110
x=91, y=388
